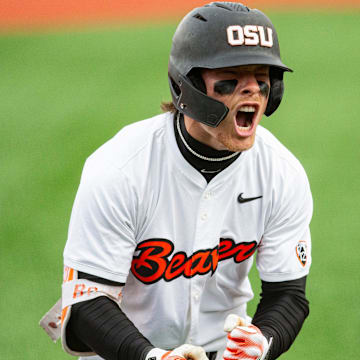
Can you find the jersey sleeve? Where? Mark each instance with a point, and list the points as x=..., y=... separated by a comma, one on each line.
x=285, y=250
x=101, y=237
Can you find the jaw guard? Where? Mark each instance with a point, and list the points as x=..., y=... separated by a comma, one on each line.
x=194, y=103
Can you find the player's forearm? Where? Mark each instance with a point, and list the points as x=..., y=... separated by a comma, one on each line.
x=101, y=326
x=281, y=313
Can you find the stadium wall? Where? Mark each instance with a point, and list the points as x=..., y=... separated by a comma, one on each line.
x=17, y=14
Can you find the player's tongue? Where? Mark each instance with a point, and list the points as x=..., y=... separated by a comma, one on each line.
x=244, y=119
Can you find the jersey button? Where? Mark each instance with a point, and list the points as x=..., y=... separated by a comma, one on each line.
x=208, y=195
x=204, y=216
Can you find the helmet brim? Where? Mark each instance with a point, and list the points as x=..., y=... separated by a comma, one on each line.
x=241, y=60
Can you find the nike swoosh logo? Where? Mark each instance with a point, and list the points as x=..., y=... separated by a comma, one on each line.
x=242, y=200
x=204, y=171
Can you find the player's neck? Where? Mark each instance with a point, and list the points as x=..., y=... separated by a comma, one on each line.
x=208, y=161
x=198, y=147
x=196, y=131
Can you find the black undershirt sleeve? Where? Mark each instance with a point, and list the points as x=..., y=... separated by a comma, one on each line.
x=281, y=313
x=99, y=325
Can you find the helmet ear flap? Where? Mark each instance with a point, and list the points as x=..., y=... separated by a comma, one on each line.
x=276, y=90
x=197, y=79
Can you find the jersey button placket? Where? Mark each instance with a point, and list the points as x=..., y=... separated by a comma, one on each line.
x=198, y=282
x=208, y=195
x=195, y=305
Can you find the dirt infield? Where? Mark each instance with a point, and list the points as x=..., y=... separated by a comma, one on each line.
x=40, y=13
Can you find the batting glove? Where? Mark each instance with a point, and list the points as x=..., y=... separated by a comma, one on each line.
x=182, y=352
x=245, y=341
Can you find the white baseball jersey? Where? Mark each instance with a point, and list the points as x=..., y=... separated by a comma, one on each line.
x=184, y=247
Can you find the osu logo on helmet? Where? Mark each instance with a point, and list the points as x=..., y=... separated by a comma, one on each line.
x=250, y=35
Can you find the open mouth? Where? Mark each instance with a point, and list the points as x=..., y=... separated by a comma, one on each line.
x=245, y=117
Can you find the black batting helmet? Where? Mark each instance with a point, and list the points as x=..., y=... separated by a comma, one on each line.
x=218, y=35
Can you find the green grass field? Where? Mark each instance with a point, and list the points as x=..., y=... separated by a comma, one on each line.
x=65, y=93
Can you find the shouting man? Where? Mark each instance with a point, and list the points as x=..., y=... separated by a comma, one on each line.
x=171, y=211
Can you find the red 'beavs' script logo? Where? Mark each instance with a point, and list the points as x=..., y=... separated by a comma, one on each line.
x=154, y=263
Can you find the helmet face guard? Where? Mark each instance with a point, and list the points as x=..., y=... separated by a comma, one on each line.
x=194, y=103
x=219, y=35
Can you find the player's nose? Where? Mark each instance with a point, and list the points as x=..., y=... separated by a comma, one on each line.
x=249, y=85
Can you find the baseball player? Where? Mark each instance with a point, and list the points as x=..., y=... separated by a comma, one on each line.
x=171, y=211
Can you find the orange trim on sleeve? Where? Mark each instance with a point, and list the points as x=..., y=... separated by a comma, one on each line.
x=68, y=276
x=63, y=314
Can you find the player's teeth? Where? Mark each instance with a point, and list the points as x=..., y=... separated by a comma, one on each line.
x=244, y=127
x=247, y=109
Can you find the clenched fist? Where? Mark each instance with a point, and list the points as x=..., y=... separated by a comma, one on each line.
x=245, y=341
x=183, y=352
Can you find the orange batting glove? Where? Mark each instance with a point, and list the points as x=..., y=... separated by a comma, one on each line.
x=245, y=341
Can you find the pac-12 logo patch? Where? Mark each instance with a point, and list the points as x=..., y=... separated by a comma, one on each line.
x=301, y=252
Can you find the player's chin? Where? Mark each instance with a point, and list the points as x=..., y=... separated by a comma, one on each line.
x=244, y=143
x=236, y=143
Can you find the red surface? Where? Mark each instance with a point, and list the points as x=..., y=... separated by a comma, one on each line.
x=35, y=13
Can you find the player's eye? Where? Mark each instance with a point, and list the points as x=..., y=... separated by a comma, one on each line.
x=264, y=88
x=225, y=87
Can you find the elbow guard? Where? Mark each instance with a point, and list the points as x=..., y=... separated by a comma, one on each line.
x=76, y=290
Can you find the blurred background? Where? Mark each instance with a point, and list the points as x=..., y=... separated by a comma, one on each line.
x=73, y=73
